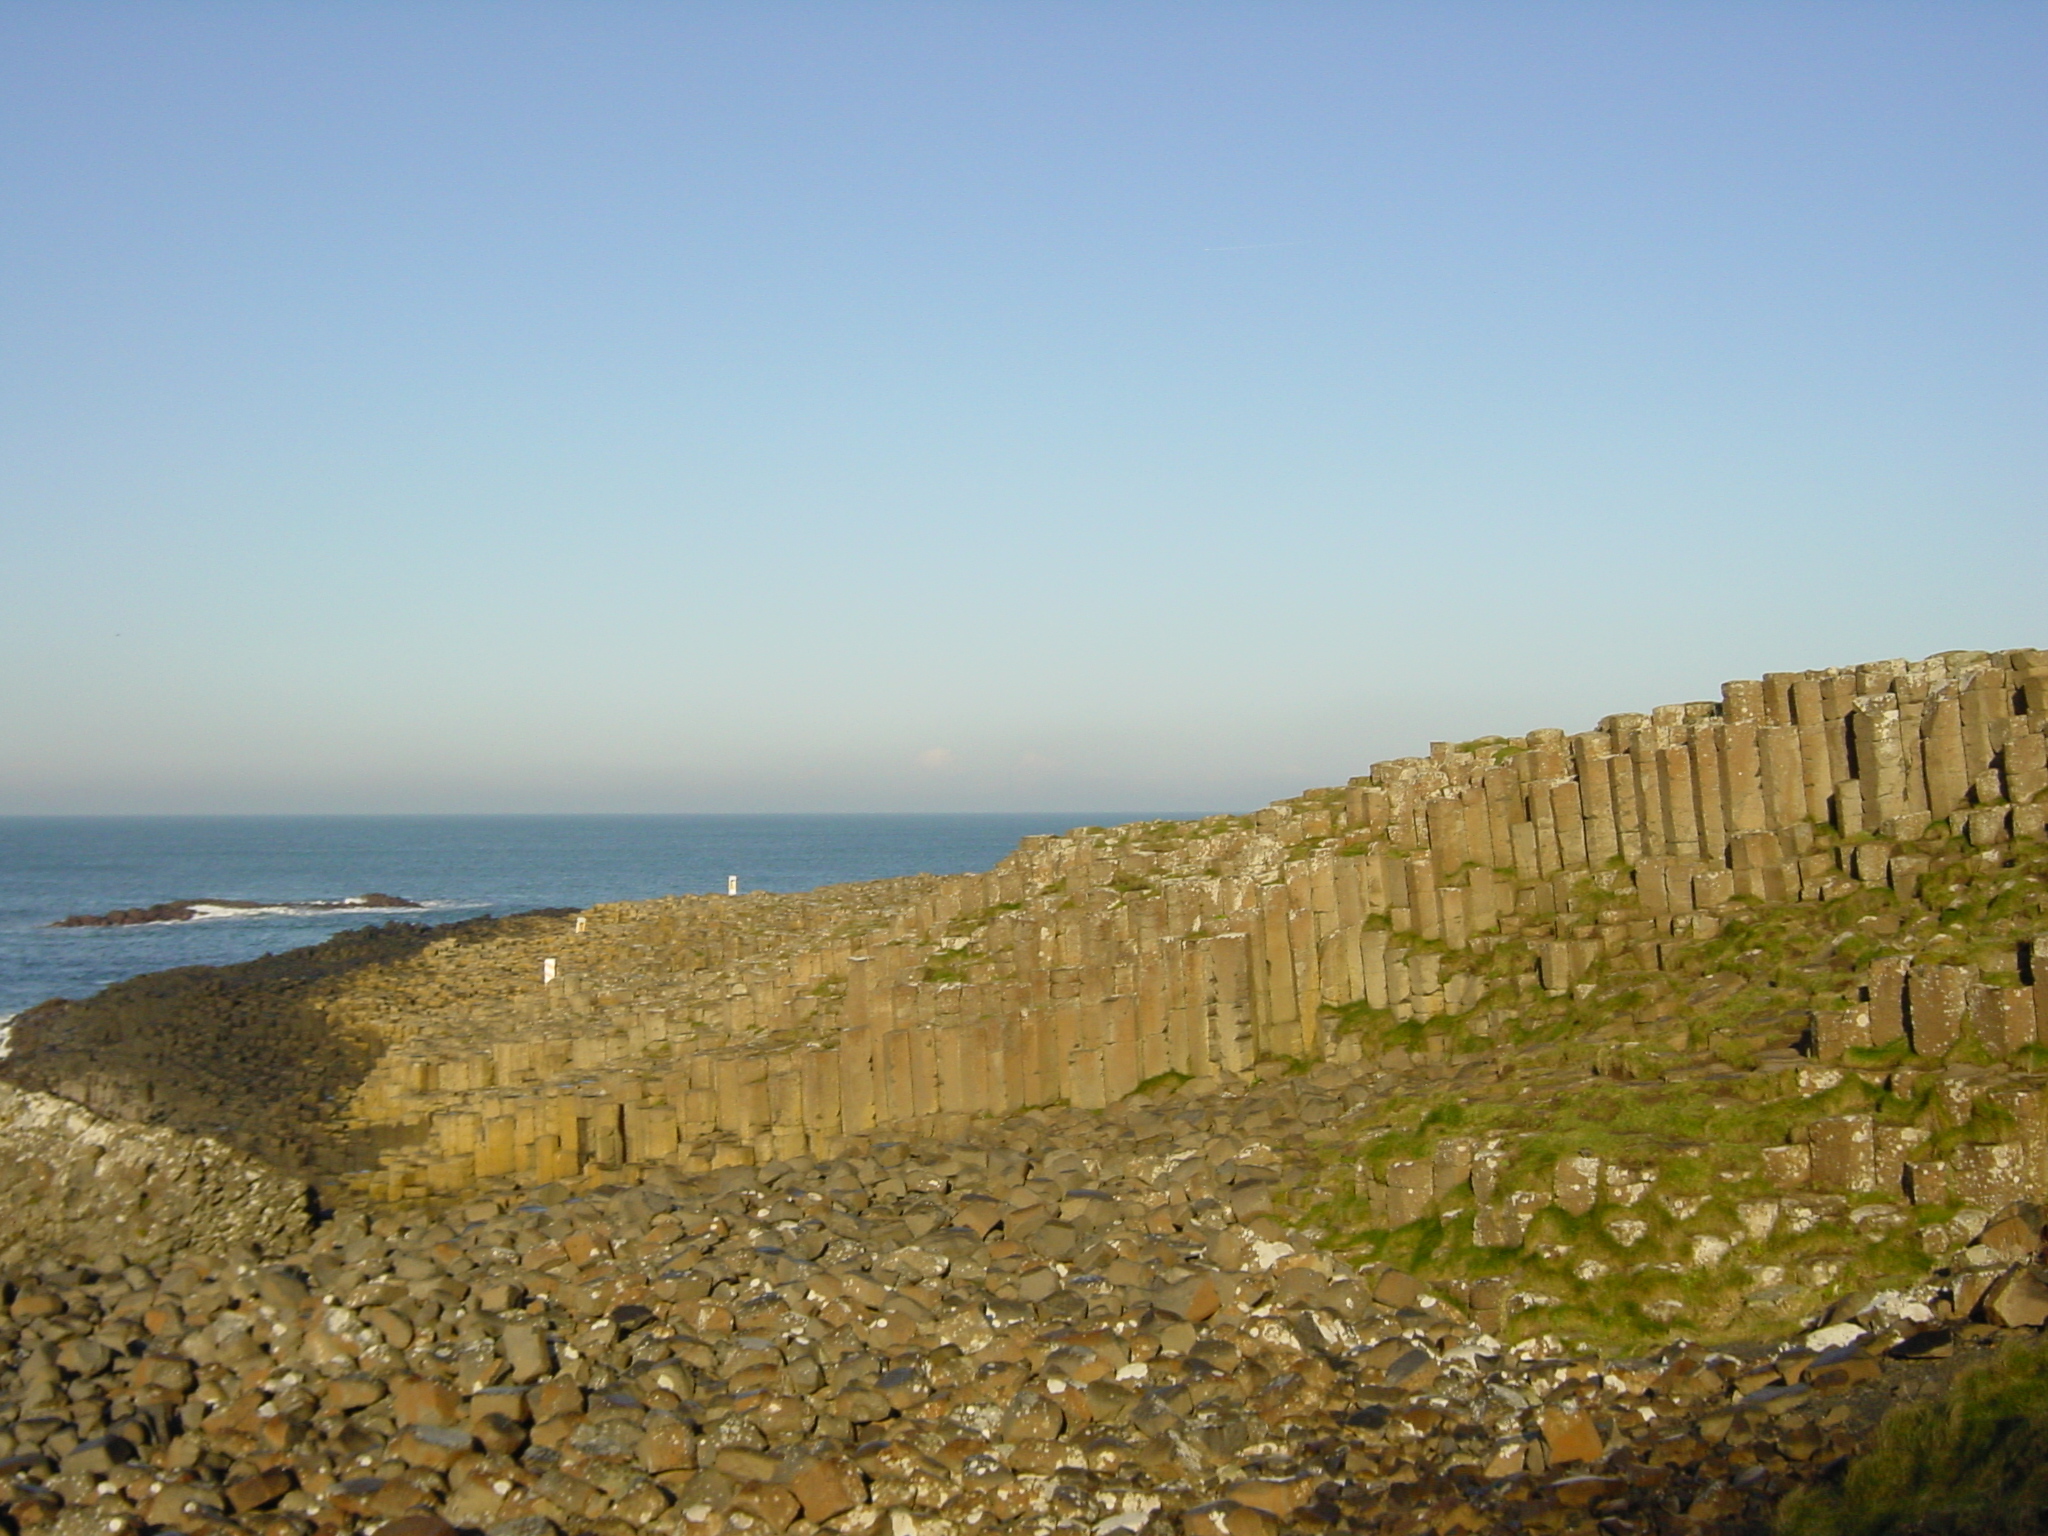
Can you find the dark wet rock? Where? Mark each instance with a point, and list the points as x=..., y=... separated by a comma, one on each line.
x=187, y=908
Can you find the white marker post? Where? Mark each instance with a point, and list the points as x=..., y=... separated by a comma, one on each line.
x=582, y=922
x=732, y=885
x=547, y=971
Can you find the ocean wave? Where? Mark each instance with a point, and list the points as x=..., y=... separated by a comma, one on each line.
x=204, y=912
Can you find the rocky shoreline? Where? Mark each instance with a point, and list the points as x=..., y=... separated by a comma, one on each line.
x=1556, y=1134
x=1068, y=1322
x=244, y=1054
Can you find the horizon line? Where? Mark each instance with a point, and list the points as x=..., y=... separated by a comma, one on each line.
x=306, y=815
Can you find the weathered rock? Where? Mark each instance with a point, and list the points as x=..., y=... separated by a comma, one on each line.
x=827, y=1486
x=2019, y=1299
x=527, y=1353
x=1569, y=1435
x=2015, y=1233
x=1227, y=1518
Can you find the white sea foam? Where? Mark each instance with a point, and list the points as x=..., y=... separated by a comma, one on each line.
x=208, y=912
x=202, y=910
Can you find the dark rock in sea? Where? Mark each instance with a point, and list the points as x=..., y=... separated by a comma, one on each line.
x=184, y=910
x=162, y=912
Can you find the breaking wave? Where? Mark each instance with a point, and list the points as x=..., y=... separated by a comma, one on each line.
x=206, y=911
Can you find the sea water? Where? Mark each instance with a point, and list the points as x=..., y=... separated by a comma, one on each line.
x=458, y=866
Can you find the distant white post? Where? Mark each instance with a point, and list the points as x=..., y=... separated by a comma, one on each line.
x=732, y=885
x=547, y=970
x=582, y=922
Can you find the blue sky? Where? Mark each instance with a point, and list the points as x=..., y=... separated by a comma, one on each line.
x=984, y=406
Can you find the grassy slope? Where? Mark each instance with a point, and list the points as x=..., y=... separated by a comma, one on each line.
x=1654, y=1067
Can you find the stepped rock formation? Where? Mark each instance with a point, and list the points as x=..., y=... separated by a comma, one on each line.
x=1773, y=955
x=242, y=1053
x=1430, y=901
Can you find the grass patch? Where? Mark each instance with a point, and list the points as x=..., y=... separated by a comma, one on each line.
x=1975, y=1463
x=1631, y=1066
x=952, y=966
x=1881, y=1058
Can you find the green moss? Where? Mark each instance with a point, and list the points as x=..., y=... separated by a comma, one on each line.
x=1164, y=1082
x=1424, y=1238
x=1880, y=1058
x=1448, y=1116
x=1988, y=1123
x=952, y=966
x=968, y=922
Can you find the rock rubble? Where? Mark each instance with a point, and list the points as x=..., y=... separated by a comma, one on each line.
x=75, y=1185
x=1070, y=1322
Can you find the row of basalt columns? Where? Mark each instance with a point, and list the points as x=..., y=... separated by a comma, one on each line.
x=1932, y=1009
x=1113, y=966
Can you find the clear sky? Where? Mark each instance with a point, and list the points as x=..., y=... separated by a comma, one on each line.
x=984, y=405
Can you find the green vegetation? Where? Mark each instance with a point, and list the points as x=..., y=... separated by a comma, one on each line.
x=952, y=966
x=974, y=922
x=1681, y=1061
x=1163, y=1082
x=1976, y=1463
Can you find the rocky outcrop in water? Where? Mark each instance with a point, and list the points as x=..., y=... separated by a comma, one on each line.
x=190, y=907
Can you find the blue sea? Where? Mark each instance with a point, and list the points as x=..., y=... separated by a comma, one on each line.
x=460, y=866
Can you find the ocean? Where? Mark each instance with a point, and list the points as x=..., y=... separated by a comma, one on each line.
x=459, y=866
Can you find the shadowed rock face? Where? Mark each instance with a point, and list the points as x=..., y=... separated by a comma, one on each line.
x=243, y=1053
x=73, y=1184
